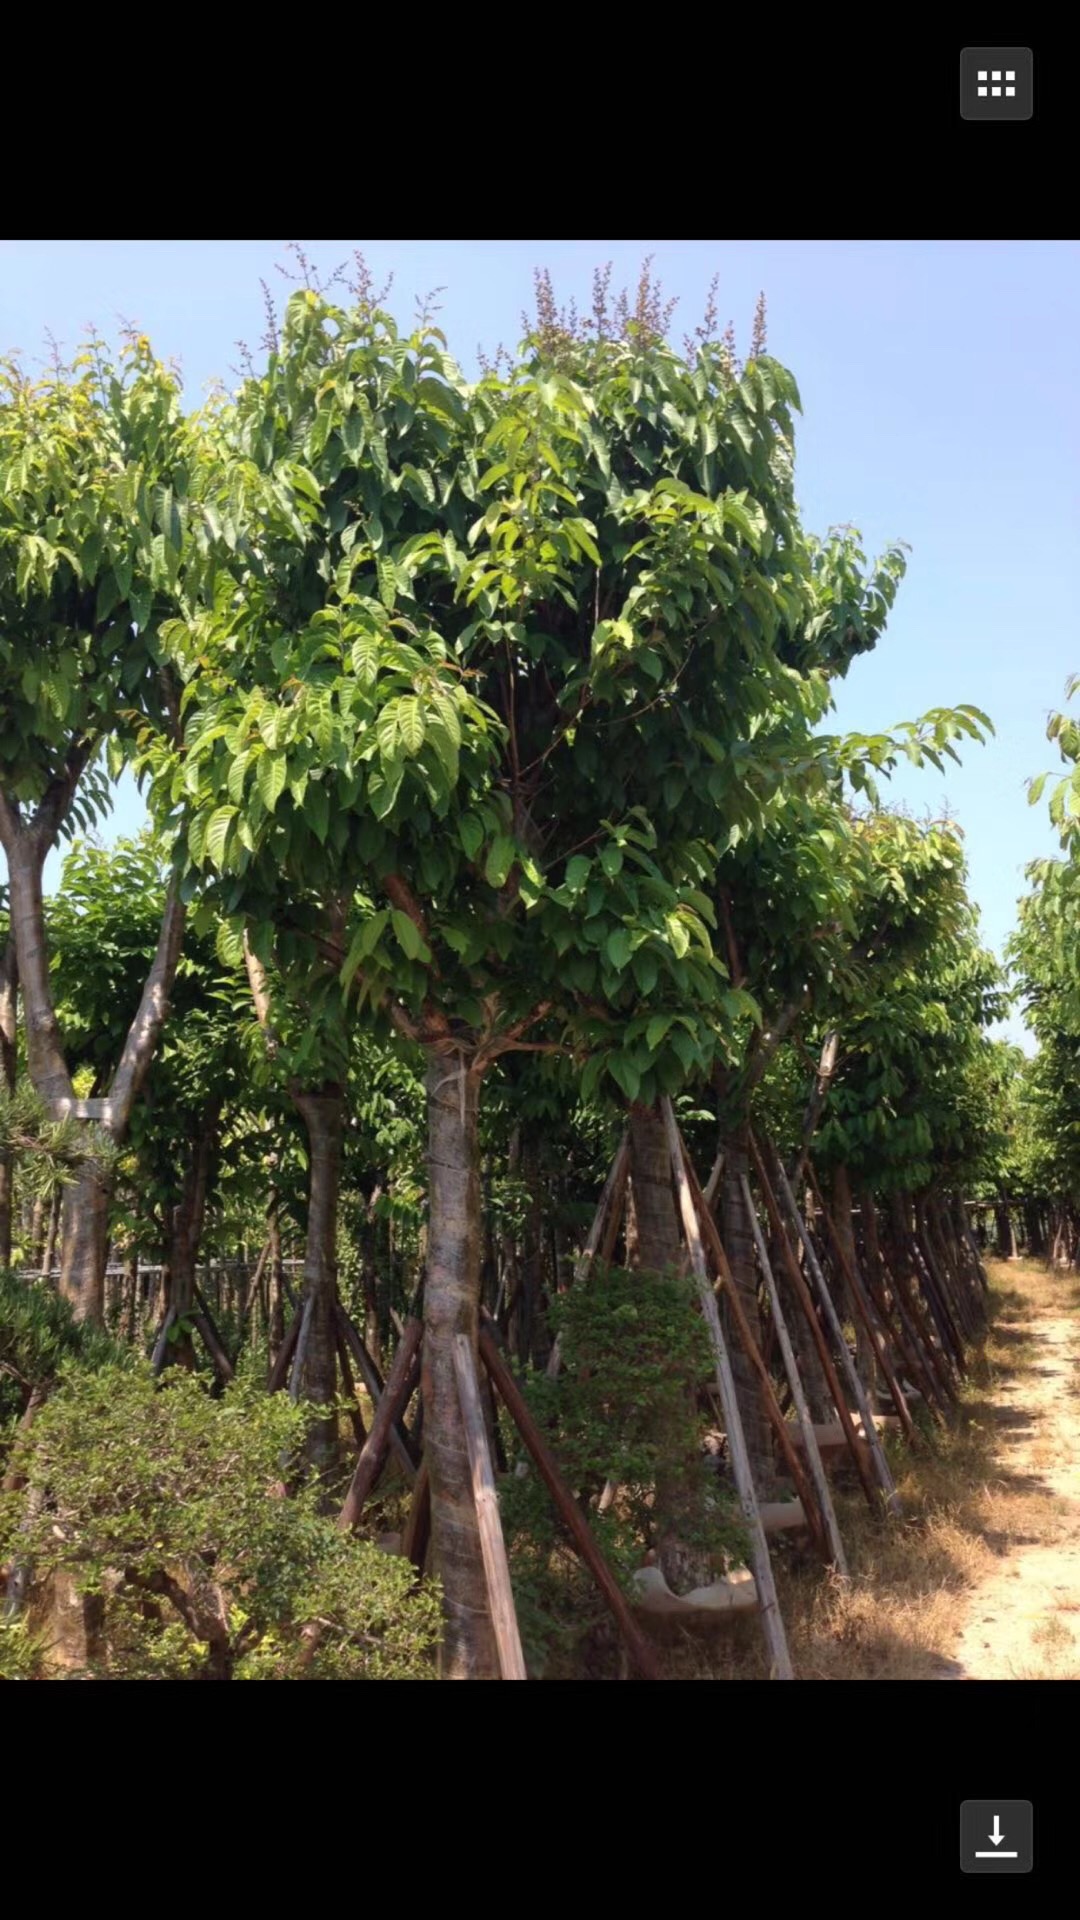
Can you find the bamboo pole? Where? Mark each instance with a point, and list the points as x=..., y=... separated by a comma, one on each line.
x=802, y=1294
x=568, y=1510
x=863, y=1309
x=612, y=1188
x=771, y=1621
x=708, y=1227
x=791, y=1370
x=400, y=1386
x=873, y=1438
x=492, y=1544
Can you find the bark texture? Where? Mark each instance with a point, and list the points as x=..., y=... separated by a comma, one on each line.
x=658, y=1248
x=451, y=1307
x=189, y=1218
x=9, y=987
x=323, y=1115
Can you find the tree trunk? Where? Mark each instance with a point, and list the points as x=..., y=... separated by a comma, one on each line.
x=658, y=1249
x=85, y=1242
x=189, y=1217
x=323, y=1115
x=276, y=1303
x=49, y=1253
x=865, y=1357
x=451, y=1307
x=9, y=987
x=658, y=1242
x=739, y=1246
x=1006, y=1236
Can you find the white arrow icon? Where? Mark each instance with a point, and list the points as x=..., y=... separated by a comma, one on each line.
x=997, y=1837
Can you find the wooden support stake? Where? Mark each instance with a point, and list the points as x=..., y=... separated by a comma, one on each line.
x=296, y=1377
x=212, y=1342
x=356, y=1418
x=256, y=1277
x=772, y=1623
x=873, y=1440
x=613, y=1189
x=863, y=1309
x=802, y=1294
x=279, y=1372
x=161, y=1344
x=710, y=1233
x=492, y=1544
x=400, y=1385
x=417, y=1534
x=566, y=1506
x=373, y=1381
x=799, y=1400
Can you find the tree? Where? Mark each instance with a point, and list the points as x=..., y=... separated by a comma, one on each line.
x=517, y=657
x=102, y=537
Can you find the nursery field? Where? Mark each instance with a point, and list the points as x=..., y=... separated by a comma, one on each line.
x=512, y=1172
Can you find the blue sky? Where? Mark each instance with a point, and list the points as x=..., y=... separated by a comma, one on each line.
x=941, y=406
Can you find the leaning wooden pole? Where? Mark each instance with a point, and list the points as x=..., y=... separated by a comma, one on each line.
x=873, y=1438
x=492, y=1544
x=802, y=1294
x=771, y=1621
x=791, y=1369
x=879, y=1340
x=401, y=1383
x=376, y=1387
x=781, y=1428
x=567, y=1508
x=613, y=1189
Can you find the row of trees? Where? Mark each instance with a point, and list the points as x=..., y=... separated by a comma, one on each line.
x=483, y=726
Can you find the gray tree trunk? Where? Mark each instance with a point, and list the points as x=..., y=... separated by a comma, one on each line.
x=323, y=1115
x=451, y=1307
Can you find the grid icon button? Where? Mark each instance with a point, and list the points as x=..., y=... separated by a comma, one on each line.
x=996, y=83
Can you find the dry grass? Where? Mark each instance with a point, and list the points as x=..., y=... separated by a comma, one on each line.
x=965, y=1511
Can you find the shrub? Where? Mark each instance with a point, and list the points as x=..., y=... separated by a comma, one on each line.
x=168, y=1507
x=625, y=1409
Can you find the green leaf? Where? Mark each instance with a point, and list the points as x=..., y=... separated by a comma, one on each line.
x=656, y=1030
x=365, y=657
x=411, y=724
x=499, y=861
x=317, y=810
x=625, y=1074
x=387, y=573
x=646, y=968
x=409, y=937
x=618, y=948
x=471, y=835
x=270, y=775
x=217, y=833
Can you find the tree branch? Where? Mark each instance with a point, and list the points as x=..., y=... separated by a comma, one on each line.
x=145, y=1030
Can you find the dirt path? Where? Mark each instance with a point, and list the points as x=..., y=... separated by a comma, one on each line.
x=1023, y=1618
